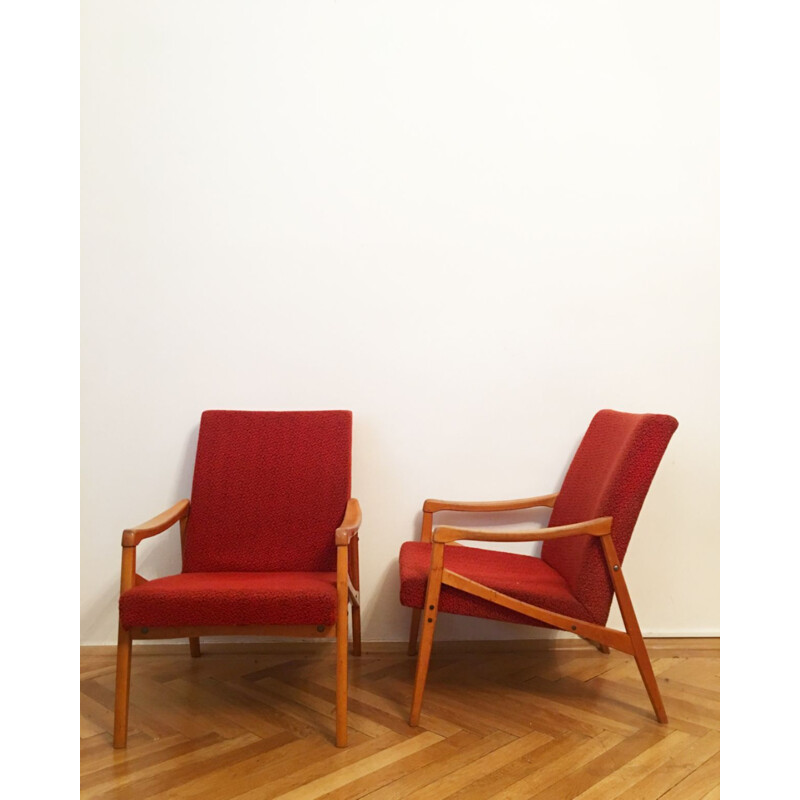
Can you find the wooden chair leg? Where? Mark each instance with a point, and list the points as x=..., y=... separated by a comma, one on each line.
x=194, y=646
x=430, y=611
x=413, y=636
x=356, y=608
x=632, y=627
x=648, y=676
x=356, y=611
x=603, y=648
x=341, y=649
x=123, y=688
x=423, y=660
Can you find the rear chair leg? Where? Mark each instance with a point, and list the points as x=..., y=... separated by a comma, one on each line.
x=356, y=607
x=632, y=627
x=648, y=676
x=194, y=646
x=356, y=611
x=413, y=636
x=603, y=648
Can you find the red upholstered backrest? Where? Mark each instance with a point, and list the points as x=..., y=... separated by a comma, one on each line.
x=609, y=477
x=270, y=488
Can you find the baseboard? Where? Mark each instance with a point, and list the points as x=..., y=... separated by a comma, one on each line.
x=654, y=645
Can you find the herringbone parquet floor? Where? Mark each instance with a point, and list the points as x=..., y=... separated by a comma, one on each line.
x=549, y=723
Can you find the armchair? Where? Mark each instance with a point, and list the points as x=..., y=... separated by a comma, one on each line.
x=269, y=544
x=571, y=586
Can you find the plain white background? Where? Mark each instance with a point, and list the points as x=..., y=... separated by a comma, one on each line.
x=39, y=324
x=473, y=224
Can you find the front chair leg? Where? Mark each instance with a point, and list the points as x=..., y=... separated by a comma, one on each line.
x=430, y=612
x=123, y=688
x=341, y=648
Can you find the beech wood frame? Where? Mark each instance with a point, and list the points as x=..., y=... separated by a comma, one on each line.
x=347, y=590
x=628, y=641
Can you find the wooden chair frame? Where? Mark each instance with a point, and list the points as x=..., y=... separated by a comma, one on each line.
x=347, y=587
x=628, y=641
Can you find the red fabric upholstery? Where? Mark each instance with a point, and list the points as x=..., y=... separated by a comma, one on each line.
x=232, y=598
x=270, y=488
x=524, y=577
x=609, y=476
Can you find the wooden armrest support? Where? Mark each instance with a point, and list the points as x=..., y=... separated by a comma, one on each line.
x=350, y=524
x=595, y=527
x=548, y=500
x=132, y=536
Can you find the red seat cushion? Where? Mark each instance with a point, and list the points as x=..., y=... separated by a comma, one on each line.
x=232, y=598
x=525, y=578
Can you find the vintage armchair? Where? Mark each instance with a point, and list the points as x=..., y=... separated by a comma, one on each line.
x=571, y=586
x=270, y=546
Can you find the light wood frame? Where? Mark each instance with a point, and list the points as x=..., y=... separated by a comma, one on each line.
x=347, y=588
x=628, y=641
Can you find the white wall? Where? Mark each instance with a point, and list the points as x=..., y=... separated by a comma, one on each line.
x=472, y=223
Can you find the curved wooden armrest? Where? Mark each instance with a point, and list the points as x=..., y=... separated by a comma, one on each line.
x=132, y=536
x=547, y=500
x=350, y=524
x=594, y=527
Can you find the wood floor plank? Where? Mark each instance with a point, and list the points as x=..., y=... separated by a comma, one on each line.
x=471, y=748
x=390, y=773
x=322, y=765
x=674, y=770
x=698, y=783
x=282, y=766
x=150, y=779
x=642, y=765
x=468, y=774
x=103, y=755
x=341, y=777
x=584, y=777
x=574, y=757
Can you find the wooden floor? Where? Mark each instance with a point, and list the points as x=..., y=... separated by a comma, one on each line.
x=548, y=723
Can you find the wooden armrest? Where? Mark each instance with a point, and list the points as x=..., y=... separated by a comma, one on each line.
x=350, y=524
x=132, y=536
x=594, y=527
x=547, y=500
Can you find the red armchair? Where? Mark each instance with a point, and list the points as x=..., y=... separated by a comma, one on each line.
x=571, y=586
x=270, y=546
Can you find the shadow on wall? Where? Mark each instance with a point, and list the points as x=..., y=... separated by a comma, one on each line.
x=183, y=479
x=156, y=557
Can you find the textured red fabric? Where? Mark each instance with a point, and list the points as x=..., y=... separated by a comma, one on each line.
x=610, y=475
x=232, y=598
x=523, y=577
x=270, y=488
